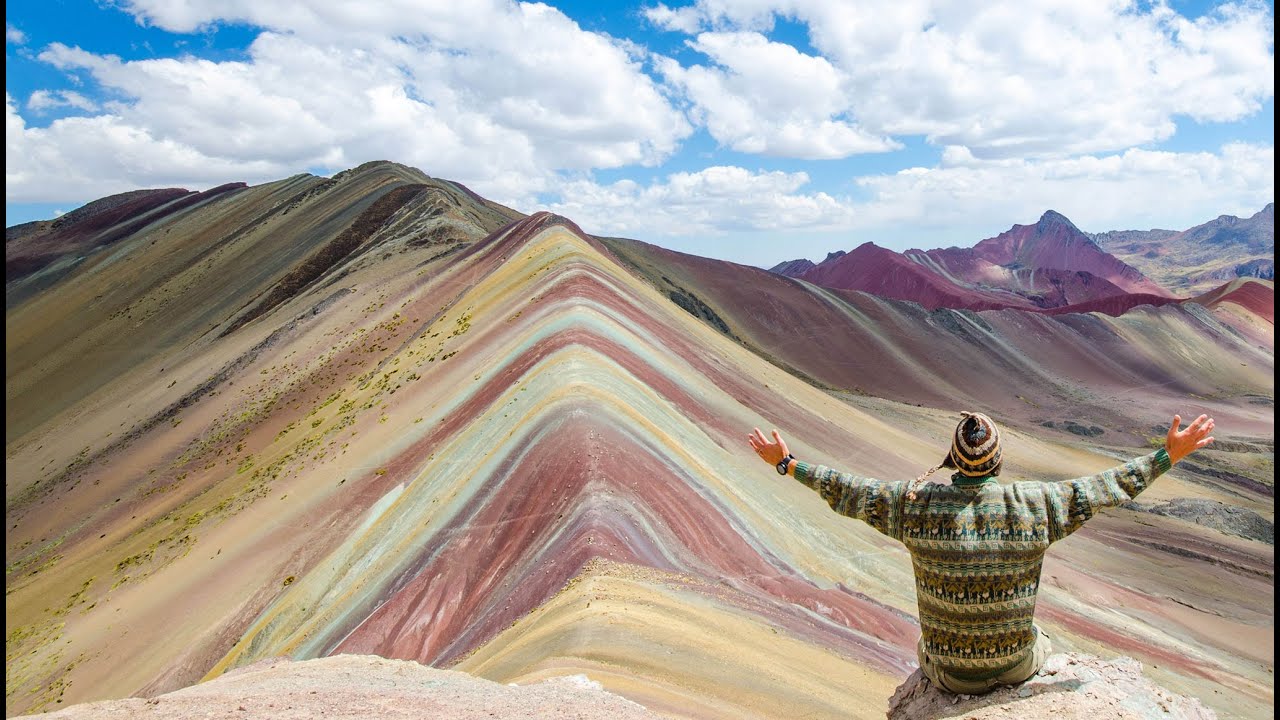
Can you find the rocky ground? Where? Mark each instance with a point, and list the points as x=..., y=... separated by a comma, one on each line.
x=363, y=686
x=1071, y=686
x=1219, y=516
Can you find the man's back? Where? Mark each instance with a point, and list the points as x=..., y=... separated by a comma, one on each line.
x=977, y=547
x=977, y=550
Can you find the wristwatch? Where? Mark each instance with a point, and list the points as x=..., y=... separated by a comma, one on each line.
x=782, y=465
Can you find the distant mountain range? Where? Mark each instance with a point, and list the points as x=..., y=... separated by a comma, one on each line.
x=1207, y=255
x=1053, y=265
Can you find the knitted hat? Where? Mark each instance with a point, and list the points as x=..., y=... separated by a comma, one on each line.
x=975, y=447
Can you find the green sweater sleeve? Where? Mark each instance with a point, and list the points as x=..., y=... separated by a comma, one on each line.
x=1071, y=502
x=875, y=502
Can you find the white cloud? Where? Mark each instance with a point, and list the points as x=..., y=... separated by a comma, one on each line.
x=580, y=99
x=498, y=95
x=78, y=159
x=47, y=99
x=1038, y=78
x=42, y=100
x=1029, y=103
x=686, y=19
x=1137, y=189
x=711, y=201
x=14, y=35
x=956, y=204
x=768, y=98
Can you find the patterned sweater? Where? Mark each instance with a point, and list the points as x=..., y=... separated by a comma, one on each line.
x=977, y=546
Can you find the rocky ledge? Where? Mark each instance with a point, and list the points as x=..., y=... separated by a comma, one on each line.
x=1070, y=686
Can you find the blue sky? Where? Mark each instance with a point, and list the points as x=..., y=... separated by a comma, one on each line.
x=749, y=130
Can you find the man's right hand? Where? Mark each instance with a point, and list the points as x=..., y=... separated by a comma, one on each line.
x=1181, y=443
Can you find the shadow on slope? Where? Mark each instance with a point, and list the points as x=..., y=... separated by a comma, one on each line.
x=179, y=277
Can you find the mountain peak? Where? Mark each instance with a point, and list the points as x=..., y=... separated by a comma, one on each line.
x=1055, y=243
x=792, y=268
x=1052, y=218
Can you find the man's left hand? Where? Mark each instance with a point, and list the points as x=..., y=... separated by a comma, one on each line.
x=770, y=452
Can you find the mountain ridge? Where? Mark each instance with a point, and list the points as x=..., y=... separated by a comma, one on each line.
x=1048, y=265
x=1195, y=260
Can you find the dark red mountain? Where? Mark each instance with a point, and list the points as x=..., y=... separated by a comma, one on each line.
x=1256, y=297
x=1050, y=264
x=879, y=271
x=1054, y=243
x=792, y=268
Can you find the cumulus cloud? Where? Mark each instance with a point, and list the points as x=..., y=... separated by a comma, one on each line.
x=768, y=98
x=580, y=98
x=1036, y=78
x=687, y=19
x=48, y=99
x=77, y=159
x=1033, y=106
x=502, y=96
x=13, y=35
x=711, y=201
x=1137, y=189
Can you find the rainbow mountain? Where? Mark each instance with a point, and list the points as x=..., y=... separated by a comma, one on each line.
x=378, y=414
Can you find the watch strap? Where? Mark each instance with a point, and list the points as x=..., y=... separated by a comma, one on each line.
x=782, y=464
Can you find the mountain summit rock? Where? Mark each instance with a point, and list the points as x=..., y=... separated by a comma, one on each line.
x=1071, y=686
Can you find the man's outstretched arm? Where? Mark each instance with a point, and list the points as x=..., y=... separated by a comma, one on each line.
x=872, y=501
x=1072, y=502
